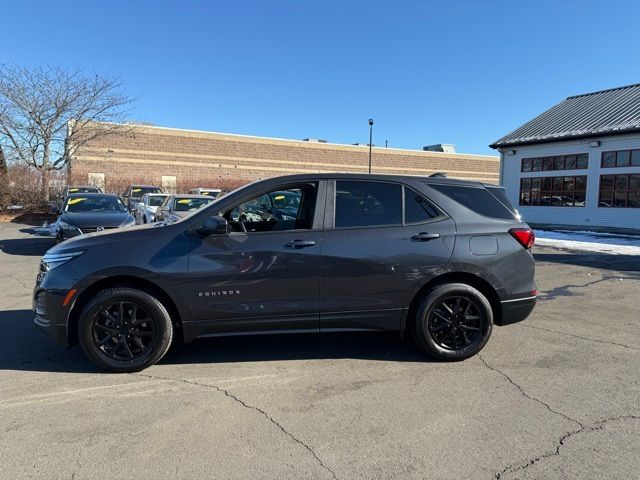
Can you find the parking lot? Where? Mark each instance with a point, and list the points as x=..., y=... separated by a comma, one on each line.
x=553, y=397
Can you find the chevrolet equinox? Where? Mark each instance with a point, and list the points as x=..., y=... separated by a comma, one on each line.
x=441, y=259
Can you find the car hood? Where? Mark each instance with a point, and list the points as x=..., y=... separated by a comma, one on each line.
x=129, y=234
x=96, y=219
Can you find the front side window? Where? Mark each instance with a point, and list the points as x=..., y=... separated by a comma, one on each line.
x=365, y=204
x=283, y=209
x=622, y=191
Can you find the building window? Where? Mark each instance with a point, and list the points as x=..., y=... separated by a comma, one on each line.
x=575, y=161
x=553, y=191
x=622, y=191
x=620, y=158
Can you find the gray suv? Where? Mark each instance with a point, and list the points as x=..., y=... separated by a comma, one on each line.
x=441, y=259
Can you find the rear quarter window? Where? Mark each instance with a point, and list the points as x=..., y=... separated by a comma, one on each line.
x=478, y=199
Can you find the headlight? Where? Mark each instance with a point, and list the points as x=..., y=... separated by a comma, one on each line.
x=52, y=260
x=287, y=217
x=128, y=223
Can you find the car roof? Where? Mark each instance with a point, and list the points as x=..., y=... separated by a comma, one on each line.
x=307, y=177
x=82, y=186
x=145, y=186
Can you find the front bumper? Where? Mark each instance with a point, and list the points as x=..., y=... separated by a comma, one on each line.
x=57, y=332
x=51, y=315
x=516, y=310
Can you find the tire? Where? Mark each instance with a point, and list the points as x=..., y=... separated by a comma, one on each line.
x=134, y=344
x=453, y=322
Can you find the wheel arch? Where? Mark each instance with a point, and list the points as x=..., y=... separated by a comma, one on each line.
x=130, y=281
x=477, y=282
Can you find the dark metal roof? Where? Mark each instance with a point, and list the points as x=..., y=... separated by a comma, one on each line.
x=607, y=112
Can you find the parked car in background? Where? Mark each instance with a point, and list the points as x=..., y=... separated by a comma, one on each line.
x=442, y=260
x=80, y=189
x=211, y=192
x=135, y=192
x=57, y=205
x=146, y=209
x=91, y=212
x=175, y=207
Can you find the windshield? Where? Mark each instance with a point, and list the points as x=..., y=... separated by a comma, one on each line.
x=137, y=192
x=106, y=203
x=156, y=200
x=189, y=204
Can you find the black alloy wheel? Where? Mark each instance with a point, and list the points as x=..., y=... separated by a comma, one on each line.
x=457, y=322
x=124, y=331
x=453, y=322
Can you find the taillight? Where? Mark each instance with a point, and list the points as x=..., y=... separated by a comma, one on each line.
x=524, y=236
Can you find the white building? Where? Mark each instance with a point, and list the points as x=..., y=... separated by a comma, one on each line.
x=578, y=163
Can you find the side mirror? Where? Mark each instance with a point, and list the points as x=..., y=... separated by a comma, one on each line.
x=213, y=226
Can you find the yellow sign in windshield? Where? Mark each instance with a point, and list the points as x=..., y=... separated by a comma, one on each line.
x=184, y=200
x=136, y=190
x=73, y=201
x=73, y=190
x=279, y=197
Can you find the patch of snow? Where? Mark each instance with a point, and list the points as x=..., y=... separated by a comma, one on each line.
x=616, y=244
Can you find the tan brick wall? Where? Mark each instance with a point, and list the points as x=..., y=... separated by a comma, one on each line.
x=209, y=159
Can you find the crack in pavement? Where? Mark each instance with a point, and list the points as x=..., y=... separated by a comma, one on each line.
x=599, y=425
x=581, y=337
x=525, y=394
x=250, y=407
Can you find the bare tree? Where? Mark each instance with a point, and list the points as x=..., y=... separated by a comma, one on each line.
x=4, y=180
x=47, y=113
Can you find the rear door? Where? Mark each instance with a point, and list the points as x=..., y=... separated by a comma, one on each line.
x=382, y=242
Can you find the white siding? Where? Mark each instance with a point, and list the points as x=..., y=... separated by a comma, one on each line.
x=590, y=214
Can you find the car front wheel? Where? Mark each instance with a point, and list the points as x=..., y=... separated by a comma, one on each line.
x=453, y=322
x=125, y=330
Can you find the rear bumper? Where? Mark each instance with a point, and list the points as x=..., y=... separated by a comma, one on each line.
x=516, y=310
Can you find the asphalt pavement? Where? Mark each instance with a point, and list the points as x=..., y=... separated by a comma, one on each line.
x=556, y=396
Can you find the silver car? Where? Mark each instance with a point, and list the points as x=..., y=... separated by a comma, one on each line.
x=175, y=207
x=145, y=211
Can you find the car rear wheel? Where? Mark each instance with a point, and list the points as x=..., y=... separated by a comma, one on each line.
x=453, y=322
x=125, y=330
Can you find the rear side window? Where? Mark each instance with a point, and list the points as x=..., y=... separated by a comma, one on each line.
x=416, y=208
x=501, y=195
x=477, y=199
x=361, y=204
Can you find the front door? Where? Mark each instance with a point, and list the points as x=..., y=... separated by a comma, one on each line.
x=385, y=242
x=263, y=274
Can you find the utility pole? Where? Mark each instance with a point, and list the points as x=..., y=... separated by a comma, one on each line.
x=370, y=141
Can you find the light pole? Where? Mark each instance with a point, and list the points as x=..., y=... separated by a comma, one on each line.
x=370, y=141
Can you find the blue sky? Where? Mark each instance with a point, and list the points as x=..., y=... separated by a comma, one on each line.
x=462, y=72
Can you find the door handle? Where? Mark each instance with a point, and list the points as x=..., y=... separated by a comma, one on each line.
x=300, y=243
x=424, y=237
